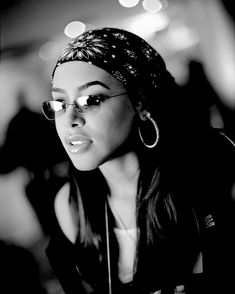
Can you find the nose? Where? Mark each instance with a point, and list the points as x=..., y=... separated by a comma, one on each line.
x=78, y=122
x=74, y=118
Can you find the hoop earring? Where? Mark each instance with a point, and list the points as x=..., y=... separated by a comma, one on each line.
x=148, y=116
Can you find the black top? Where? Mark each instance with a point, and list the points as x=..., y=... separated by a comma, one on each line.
x=161, y=267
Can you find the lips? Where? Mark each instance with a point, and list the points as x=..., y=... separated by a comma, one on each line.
x=77, y=143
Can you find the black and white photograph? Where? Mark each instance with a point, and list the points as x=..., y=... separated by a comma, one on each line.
x=117, y=147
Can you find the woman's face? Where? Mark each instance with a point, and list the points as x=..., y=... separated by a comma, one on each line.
x=91, y=138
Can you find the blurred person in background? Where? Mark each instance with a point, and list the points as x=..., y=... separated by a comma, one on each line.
x=30, y=176
x=147, y=206
x=24, y=148
x=28, y=183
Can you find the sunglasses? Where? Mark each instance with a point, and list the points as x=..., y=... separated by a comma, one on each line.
x=52, y=108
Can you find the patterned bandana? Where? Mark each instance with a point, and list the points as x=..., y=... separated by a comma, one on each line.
x=122, y=54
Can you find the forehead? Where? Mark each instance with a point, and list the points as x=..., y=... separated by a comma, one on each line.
x=79, y=73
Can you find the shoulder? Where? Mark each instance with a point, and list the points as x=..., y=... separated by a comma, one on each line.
x=222, y=148
x=218, y=146
x=62, y=196
x=64, y=214
x=229, y=139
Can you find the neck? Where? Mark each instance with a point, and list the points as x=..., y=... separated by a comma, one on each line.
x=122, y=175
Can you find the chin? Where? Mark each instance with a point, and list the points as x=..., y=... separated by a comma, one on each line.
x=86, y=165
x=91, y=162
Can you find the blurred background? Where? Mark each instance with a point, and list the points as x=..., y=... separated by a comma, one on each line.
x=197, y=40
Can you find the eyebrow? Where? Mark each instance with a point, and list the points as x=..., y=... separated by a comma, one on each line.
x=83, y=87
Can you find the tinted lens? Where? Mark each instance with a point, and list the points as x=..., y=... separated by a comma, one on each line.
x=85, y=102
x=49, y=108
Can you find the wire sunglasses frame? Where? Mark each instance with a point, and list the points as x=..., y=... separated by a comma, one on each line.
x=80, y=104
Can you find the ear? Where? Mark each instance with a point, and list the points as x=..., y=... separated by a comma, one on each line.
x=141, y=110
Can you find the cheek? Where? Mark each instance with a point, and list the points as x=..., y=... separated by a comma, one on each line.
x=117, y=126
x=60, y=132
x=58, y=129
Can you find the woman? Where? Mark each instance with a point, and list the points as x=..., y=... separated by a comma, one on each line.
x=126, y=218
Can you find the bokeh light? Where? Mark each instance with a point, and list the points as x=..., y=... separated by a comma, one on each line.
x=48, y=51
x=147, y=24
x=74, y=29
x=152, y=5
x=128, y=3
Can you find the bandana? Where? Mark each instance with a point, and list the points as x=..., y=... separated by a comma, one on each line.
x=124, y=55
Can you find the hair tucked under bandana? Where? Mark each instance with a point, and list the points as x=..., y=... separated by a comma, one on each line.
x=123, y=54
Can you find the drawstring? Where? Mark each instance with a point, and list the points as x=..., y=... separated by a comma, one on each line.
x=108, y=248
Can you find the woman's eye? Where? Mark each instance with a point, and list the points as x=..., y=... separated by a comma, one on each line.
x=95, y=99
x=90, y=100
x=59, y=99
x=56, y=105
